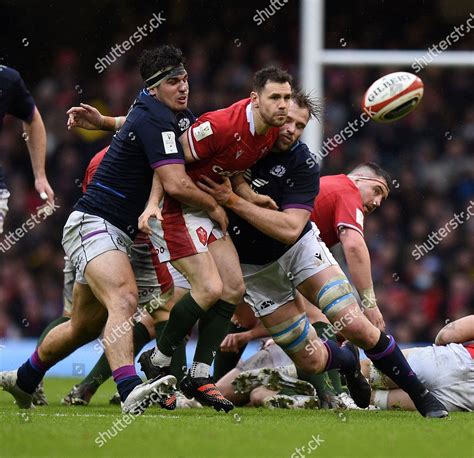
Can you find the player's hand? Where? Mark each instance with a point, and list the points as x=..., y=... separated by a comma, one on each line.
x=268, y=343
x=151, y=211
x=264, y=201
x=220, y=217
x=44, y=190
x=375, y=317
x=85, y=116
x=233, y=342
x=221, y=192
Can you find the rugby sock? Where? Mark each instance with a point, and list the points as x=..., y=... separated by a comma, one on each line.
x=213, y=327
x=326, y=330
x=339, y=357
x=225, y=361
x=387, y=357
x=31, y=373
x=52, y=325
x=321, y=383
x=178, y=360
x=101, y=371
x=183, y=317
x=126, y=379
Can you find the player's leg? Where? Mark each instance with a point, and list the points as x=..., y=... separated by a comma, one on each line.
x=242, y=320
x=395, y=399
x=4, y=195
x=332, y=293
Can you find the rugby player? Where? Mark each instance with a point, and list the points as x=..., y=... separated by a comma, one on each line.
x=447, y=369
x=220, y=143
x=98, y=234
x=292, y=256
x=220, y=152
x=16, y=100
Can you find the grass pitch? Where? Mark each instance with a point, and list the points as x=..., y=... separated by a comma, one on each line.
x=61, y=431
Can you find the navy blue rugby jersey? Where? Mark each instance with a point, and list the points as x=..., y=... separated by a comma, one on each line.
x=122, y=182
x=15, y=99
x=291, y=179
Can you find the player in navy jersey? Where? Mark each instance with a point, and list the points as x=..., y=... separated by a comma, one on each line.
x=220, y=143
x=16, y=100
x=98, y=234
x=281, y=252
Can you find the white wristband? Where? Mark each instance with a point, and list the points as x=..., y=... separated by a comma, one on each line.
x=117, y=122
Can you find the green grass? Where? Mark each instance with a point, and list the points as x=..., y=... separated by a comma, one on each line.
x=56, y=430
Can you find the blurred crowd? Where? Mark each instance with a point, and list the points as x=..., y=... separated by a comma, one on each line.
x=429, y=155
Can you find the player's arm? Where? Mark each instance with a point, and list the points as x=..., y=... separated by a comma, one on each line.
x=36, y=144
x=152, y=209
x=284, y=226
x=458, y=331
x=233, y=342
x=243, y=189
x=358, y=261
x=177, y=183
x=90, y=118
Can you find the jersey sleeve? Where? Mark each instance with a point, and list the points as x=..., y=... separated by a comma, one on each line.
x=159, y=140
x=301, y=188
x=205, y=135
x=349, y=213
x=22, y=104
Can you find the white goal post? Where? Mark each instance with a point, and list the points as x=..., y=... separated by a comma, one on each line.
x=314, y=57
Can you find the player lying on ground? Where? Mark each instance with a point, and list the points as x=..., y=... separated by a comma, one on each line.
x=100, y=231
x=292, y=256
x=446, y=368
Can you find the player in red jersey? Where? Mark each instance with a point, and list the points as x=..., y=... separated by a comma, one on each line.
x=220, y=143
x=339, y=212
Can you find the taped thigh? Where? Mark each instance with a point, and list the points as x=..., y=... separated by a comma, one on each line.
x=292, y=335
x=335, y=295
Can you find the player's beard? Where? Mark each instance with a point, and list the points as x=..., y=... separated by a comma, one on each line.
x=272, y=120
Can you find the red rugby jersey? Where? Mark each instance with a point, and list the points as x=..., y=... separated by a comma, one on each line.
x=92, y=167
x=338, y=203
x=224, y=142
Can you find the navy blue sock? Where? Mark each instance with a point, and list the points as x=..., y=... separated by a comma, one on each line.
x=126, y=379
x=339, y=357
x=387, y=357
x=31, y=373
x=126, y=385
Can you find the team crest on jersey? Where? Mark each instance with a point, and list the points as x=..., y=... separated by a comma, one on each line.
x=202, y=235
x=183, y=124
x=278, y=171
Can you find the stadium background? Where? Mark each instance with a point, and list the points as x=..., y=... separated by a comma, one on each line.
x=429, y=154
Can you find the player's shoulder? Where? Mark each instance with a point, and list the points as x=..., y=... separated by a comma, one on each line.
x=301, y=156
x=9, y=74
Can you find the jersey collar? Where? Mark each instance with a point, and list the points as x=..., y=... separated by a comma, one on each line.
x=250, y=119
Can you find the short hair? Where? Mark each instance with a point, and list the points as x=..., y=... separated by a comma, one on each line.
x=153, y=60
x=305, y=100
x=273, y=74
x=376, y=170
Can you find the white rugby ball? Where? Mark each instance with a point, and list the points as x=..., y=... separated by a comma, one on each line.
x=393, y=96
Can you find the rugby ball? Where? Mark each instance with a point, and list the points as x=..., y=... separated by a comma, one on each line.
x=393, y=96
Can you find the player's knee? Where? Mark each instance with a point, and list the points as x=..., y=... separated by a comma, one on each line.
x=233, y=291
x=362, y=333
x=125, y=304
x=209, y=292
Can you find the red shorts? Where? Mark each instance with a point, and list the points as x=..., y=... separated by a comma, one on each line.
x=184, y=231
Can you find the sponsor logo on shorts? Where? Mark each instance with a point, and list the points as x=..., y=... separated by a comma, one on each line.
x=120, y=241
x=202, y=235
